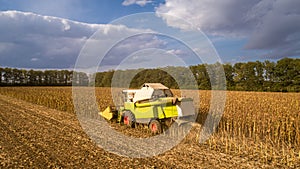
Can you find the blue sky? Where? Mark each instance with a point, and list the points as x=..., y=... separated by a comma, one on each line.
x=88, y=11
x=51, y=33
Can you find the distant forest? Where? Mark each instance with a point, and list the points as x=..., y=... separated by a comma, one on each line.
x=282, y=76
x=22, y=77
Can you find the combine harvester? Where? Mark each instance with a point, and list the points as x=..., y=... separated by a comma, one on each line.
x=153, y=105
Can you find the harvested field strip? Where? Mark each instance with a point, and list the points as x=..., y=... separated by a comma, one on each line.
x=43, y=141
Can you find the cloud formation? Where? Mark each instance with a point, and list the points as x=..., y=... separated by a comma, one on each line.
x=138, y=2
x=269, y=25
x=29, y=40
x=131, y=45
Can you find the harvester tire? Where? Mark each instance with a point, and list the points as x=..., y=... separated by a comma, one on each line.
x=155, y=127
x=128, y=118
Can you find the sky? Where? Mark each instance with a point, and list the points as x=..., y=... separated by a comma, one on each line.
x=52, y=34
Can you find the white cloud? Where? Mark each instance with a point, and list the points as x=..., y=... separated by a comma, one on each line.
x=53, y=42
x=138, y=2
x=29, y=40
x=268, y=24
x=66, y=24
x=34, y=59
x=175, y=52
x=218, y=17
x=131, y=45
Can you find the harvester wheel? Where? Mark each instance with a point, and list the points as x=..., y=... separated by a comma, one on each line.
x=128, y=118
x=155, y=127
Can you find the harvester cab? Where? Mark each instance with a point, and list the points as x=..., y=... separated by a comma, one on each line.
x=154, y=105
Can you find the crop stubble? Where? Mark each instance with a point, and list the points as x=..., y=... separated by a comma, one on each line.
x=256, y=130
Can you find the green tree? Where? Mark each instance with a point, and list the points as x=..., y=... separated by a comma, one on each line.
x=269, y=75
x=229, y=74
x=249, y=76
x=1, y=76
x=8, y=76
x=287, y=71
x=202, y=77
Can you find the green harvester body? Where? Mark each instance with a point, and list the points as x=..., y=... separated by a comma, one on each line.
x=153, y=101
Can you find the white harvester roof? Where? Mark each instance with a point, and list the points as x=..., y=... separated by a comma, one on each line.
x=147, y=90
x=155, y=85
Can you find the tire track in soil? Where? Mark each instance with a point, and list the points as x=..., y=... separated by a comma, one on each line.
x=20, y=158
x=33, y=131
x=38, y=137
x=18, y=131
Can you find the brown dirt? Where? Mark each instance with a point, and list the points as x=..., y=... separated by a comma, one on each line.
x=33, y=136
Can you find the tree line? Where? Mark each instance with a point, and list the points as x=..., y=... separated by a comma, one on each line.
x=22, y=77
x=280, y=76
x=283, y=76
